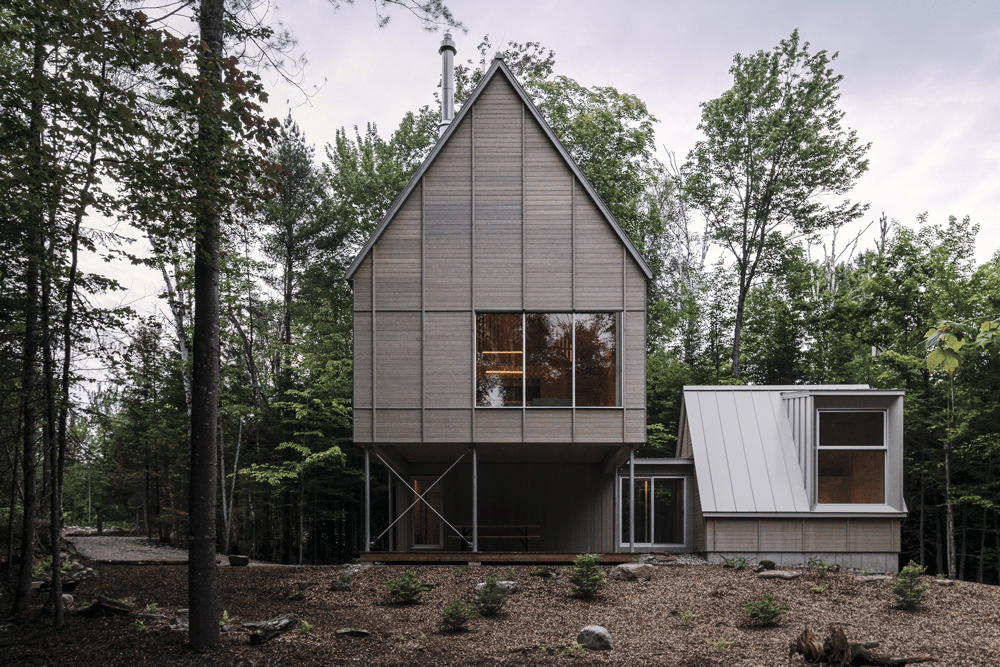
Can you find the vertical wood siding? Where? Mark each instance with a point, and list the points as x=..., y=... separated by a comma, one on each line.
x=498, y=203
x=597, y=275
x=497, y=123
x=548, y=224
x=448, y=224
x=397, y=278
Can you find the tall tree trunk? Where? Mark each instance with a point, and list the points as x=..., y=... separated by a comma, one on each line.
x=50, y=444
x=949, y=509
x=203, y=582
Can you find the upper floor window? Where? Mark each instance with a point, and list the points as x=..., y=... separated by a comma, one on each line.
x=547, y=359
x=851, y=457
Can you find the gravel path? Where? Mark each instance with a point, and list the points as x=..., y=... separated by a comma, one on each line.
x=113, y=549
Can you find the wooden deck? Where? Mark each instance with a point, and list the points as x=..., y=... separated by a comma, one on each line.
x=485, y=557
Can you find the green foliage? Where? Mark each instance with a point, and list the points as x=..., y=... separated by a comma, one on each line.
x=773, y=156
x=305, y=627
x=818, y=588
x=909, y=592
x=406, y=588
x=226, y=619
x=587, y=577
x=765, y=610
x=456, y=615
x=575, y=649
x=687, y=616
x=490, y=599
x=720, y=644
x=820, y=567
x=738, y=563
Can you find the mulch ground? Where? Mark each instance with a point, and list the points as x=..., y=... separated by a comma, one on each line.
x=685, y=616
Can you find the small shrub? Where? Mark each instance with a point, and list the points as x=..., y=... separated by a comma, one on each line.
x=820, y=567
x=909, y=592
x=586, y=576
x=687, y=617
x=491, y=598
x=227, y=619
x=406, y=589
x=818, y=588
x=765, y=610
x=456, y=615
x=576, y=648
x=735, y=563
x=305, y=627
x=717, y=643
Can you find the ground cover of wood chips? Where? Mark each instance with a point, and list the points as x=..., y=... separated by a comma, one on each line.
x=684, y=616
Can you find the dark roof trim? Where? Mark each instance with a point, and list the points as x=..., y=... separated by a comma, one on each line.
x=498, y=66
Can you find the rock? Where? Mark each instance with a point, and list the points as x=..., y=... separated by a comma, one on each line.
x=67, y=599
x=239, y=561
x=107, y=607
x=779, y=574
x=595, y=638
x=296, y=596
x=767, y=565
x=507, y=587
x=648, y=559
x=179, y=624
x=632, y=571
x=69, y=585
x=870, y=578
x=944, y=582
x=352, y=632
x=357, y=568
x=261, y=632
x=342, y=586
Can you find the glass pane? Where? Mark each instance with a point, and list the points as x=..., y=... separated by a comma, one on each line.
x=596, y=372
x=549, y=367
x=847, y=476
x=668, y=511
x=851, y=429
x=426, y=524
x=643, y=507
x=499, y=359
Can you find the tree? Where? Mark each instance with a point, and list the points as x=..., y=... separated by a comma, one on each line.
x=775, y=152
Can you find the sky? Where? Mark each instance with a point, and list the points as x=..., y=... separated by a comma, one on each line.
x=921, y=77
x=921, y=80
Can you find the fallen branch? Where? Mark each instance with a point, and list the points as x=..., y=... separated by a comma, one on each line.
x=267, y=630
x=837, y=651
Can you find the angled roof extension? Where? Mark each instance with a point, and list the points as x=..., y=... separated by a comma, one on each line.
x=498, y=67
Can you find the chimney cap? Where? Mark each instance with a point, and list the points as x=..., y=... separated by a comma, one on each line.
x=446, y=43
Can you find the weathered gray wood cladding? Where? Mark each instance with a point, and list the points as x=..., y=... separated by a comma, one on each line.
x=498, y=222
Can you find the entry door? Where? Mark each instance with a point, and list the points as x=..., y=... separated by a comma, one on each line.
x=426, y=524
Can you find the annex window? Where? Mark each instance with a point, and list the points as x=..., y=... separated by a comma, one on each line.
x=851, y=457
x=547, y=360
x=659, y=511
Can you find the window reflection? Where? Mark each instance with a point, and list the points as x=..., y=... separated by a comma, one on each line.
x=549, y=367
x=499, y=367
x=543, y=359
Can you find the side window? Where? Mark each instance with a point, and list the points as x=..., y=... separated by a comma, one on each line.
x=851, y=457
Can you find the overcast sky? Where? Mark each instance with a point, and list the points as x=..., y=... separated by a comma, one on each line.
x=921, y=77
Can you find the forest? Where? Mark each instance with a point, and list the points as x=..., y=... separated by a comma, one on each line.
x=107, y=114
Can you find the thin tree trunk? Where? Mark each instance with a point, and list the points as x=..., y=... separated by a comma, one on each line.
x=203, y=582
x=949, y=509
x=50, y=445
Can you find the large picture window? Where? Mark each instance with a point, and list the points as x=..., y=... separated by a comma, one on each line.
x=659, y=511
x=851, y=457
x=547, y=360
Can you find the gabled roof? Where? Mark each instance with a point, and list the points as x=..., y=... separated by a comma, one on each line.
x=497, y=69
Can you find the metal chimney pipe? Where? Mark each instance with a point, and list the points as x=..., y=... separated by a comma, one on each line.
x=447, y=52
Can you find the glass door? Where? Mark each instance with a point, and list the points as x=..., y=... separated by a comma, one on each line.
x=427, y=524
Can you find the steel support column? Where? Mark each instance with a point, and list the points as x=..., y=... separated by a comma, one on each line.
x=475, y=500
x=368, y=503
x=631, y=499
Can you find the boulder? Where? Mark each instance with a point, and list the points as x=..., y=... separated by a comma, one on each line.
x=767, y=565
x=352, y=632
x=779, y=574
x=237, y=560
x=632, y=571
x=648, y=559
x=595, y=638
x=507, y=587
x=944, y=582
x=342, y=586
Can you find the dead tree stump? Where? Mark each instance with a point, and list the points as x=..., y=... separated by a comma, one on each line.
x=837, y=651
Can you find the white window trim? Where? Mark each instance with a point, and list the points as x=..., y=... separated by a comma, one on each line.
x=885, y=461
x=622, y=480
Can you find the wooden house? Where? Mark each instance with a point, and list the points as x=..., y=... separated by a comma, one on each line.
x=499, y=341
x=794, y=472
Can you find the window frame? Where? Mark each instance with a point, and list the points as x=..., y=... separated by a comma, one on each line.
x=622, y=481
x=619, y=371
x=884, y=448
